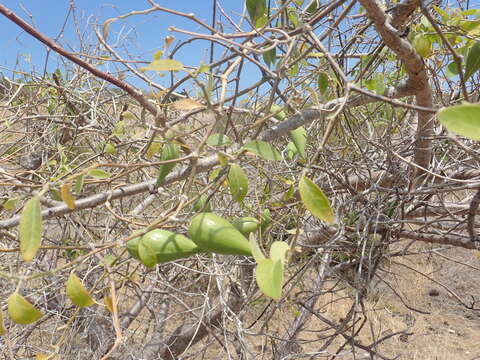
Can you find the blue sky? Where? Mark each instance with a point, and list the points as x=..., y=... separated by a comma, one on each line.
x=143, y=34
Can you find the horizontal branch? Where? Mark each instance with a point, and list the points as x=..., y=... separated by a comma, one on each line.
x=301, y=118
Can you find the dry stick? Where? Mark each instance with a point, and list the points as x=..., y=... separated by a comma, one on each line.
x=298, y=324
x=132, y=91
x=205, y=164
x=471, y=216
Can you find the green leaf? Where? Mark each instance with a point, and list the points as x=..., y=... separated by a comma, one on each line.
x=30, y=228
x=452, y=69
x=270, y=57
x=263, y=149
x=201, y=204
x=79, y=184
x=462, y=120
x=292, y=15
x=376, y=84
x=256, y=251
x=257, y=12
x=99, y=174
x=164, y=65
x=299, y=138
x=77, y=293
x=313, y=6
x=322, y=82
x=218, y=140
x=269, y=277
x=293, y=69
x=315, y=200
x=278, y=251
x=473, y=60
x=21, y=310
x=170, y=151
x=238, y=182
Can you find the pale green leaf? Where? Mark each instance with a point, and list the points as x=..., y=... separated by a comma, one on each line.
x=30, y=228
x=462, y=120
x=299, y=138
x=218, y=140
x=315, y=200
x=291, y=150
x=278, y=251
x=164, y=65
x=269, y=277
x=256, y=251
x=422, y=45
x=263, y=149
x=99, y=174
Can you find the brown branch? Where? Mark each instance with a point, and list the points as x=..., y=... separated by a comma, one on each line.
x=388, y=28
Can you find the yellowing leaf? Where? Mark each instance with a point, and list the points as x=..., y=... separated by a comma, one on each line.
x=67, y=196
x=3, y=331
x=164, y=65
x=186, y=105
x=315, y=200
x=153, y=149
x=30, y=228
x=77, y=293
x=41, y=356
x=107, y=300
x=157, y=55
x=21, y=310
